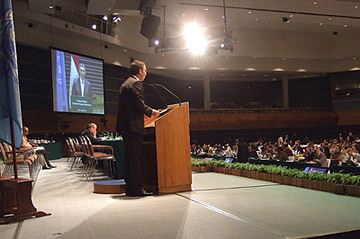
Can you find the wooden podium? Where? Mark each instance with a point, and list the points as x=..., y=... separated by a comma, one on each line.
x=166, y=163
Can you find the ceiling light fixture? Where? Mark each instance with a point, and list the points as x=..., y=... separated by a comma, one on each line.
x=105, y=18
x=278, y=69
x=94, y=26
x=116, y=19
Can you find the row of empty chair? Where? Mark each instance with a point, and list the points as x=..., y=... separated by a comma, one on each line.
x=27, y=162
x=91, y=156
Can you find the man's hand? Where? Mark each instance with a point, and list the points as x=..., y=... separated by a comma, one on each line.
x=155, y=113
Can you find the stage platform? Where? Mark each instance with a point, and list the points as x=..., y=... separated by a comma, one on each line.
x=220, y=206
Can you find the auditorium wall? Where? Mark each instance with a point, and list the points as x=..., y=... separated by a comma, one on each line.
x=36, y=93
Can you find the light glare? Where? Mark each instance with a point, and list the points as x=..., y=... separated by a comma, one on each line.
x=195, y=39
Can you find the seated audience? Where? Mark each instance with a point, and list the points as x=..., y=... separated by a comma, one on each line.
x=288, y=150
x=336, y=155
x=281, y=155
x=297, y=147
x=252, y=153
x=350, y=157
x=320, y=157
x=309, y=156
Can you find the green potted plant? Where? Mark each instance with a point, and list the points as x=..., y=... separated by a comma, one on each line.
x=352, y=186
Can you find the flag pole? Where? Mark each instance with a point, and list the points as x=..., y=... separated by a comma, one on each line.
x=13, y=147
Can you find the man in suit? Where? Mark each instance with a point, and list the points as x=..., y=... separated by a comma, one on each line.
x=130, y=124
x=91, y=132
x=81, y=86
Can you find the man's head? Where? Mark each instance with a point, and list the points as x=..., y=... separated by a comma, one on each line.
x=138, y=69
x=25, y=131
x=82, y=70
x=92, y=127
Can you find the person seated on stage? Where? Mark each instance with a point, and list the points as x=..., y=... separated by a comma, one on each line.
x=90, y=131
x=41, y=154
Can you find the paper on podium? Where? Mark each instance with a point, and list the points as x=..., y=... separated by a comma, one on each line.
x=150, y=122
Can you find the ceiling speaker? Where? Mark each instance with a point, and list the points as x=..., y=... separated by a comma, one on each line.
x=149, y=26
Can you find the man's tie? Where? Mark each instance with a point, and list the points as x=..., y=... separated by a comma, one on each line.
x=82, y=87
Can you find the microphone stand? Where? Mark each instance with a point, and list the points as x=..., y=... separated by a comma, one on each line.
x=157, y=91
x=170, y=92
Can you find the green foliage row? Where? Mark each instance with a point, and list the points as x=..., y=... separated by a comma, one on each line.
x=336, y=178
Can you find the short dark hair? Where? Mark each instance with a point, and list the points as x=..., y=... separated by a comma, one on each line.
x=135, y=66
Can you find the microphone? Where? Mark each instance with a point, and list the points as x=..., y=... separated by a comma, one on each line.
x=169, y=91
x=157, y=91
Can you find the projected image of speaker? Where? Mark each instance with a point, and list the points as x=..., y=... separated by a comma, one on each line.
x=149, y=26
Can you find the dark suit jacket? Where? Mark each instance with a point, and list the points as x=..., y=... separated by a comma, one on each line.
x=132, y=107
x=91, y=136
x=243, y=153
x=76, y=88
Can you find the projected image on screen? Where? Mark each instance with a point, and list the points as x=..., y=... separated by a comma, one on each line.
x=78, y=84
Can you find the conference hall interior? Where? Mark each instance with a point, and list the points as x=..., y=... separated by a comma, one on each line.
x=258, y=132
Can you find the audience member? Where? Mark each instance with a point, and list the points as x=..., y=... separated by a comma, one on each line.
x=320, y=157
x=281, y=155
x=336, y=155
x=288, y=150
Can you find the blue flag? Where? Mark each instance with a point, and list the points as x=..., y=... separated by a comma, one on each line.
x=10, y=104
x=61, y=95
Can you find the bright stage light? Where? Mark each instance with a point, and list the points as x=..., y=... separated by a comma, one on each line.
x=195, y=39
